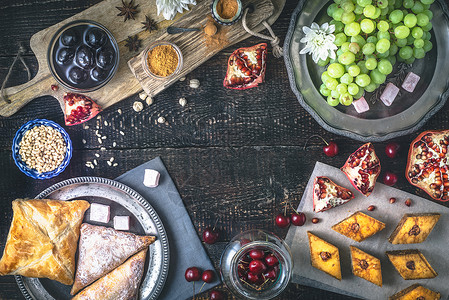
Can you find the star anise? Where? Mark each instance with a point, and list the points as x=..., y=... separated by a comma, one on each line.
x=149, y=24
x=133, y=43
x=128, y=10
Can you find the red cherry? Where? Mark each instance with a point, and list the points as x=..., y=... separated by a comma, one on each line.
x=298, y=219
x=216, y=295
x=210, y=236
x=390, y=178
x=208, y=276
x=271, y=274
x=282, y=221
x=271, y=260
x=257, y=267
x=192, y=274
x=392, y=149
x=256, y=254
x=330, y=149
x=254, y=278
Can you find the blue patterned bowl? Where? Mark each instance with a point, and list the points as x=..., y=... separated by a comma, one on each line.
x=25, y=168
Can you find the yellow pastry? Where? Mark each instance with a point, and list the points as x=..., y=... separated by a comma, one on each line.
x=415, y=292
x=414, y=228
x=324, y=256
x=358, y=226
x=366, y=266
x=411, y=264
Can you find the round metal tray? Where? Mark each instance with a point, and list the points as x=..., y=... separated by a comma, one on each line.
x=408, y=112
x=123, y=201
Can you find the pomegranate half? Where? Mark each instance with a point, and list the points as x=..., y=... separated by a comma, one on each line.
x=79, y=109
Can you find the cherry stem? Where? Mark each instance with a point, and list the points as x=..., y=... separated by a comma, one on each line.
x=291, y=206
x=194, y=290
x=312, y=136
x=216, y=221
x=201, y=288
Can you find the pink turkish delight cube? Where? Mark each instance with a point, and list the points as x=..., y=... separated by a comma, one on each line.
x=410, y=82
x=121, y=222
x=100, y=213
x=389, y=94
x=361, y=105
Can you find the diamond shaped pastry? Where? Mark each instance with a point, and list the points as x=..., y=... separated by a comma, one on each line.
x=324, y=256
x=366, y=266
x=411, y=264
x=415, y=291
x=414, y=228
x=358, y=226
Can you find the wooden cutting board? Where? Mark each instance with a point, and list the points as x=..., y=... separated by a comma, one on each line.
x=124, y=84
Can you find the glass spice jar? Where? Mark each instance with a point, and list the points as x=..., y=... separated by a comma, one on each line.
x=238, y=253
x=145, y=58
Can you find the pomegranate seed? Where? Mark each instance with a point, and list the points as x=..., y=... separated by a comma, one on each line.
x=408, y=202
x=54, y=87
x=371, y=207
x=315, y=220
x=392, y=200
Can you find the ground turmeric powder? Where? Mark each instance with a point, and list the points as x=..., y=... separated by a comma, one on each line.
x=227, y=8
x=162, y=60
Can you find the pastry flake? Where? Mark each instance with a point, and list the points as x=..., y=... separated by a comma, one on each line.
x=101, y=250
x=414, y=292
x=366, y=266
x=358, y=226
x=411, y=264
x=121, y=283
x=414, y=228
x=43, y=238
x=324, y=256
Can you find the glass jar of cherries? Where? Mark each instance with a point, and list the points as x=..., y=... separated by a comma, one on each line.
x=256, y=265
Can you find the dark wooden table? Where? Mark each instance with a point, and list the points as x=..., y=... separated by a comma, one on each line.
x=234, y=155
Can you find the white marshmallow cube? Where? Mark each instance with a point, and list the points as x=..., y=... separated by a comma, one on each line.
x=410, y=82
x=151, y=178
x=360, y=105
x=389, y=94
x=121, y=222
x=100, y=213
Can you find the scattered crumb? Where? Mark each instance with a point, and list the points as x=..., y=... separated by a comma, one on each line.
x=122, y=133
x=161, y=120
x=115, y=165
x=114, y=144
x=104, y=137
x=95, y=162
x=97, y=155
x=149, y=100
x=182, y=78
x=143, y=96
x=119, y=111
x=103, y=148
x=106, y=123
x=84, y=141
x=182, y=101
x=138, y=106
x=109, y=163
x=100, y=141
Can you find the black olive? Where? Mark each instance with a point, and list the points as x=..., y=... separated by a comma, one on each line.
x=65, y=55
x=69, y=37
x=105, y=58
x=77, y=75
x=84, y=57
x=98, y=74
x=96, y=37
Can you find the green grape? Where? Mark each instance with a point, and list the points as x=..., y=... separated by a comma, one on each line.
x=364, y=3
x=418, y=43
x=401, y=32
x=410, y=61
x=337, y=1
x=383, y=35
x=401, y=42
x=359, y=40
x=346, y=79
x=383, y=26
x=408, y=3
x=428, y=13
x=398, y=4
x=339, y=52
x=346, y=58
x=363, y=80
x=396, y=16
x=354, y=48
x=418, y=7
x=382, y=45
x=371, y=63
x=353, y=89
x=340, y=38
x=335, y=94
x=427, y=46
x=358, y=10
x=331, y=83
x=338, y=26
x=347, y=17
x=371, y=39
x=335, y=70
x=405, y=52
x=377, y=13
x=363, y=69
x=359, y=94
x=342, y=88
x=385, y=67
x=422, y=20
x=384, y=55
x=377, y=77
x=427, y=2
x=393, y=49
x=347, y=6
x=323, y=63
x=392, y=59
x=324, y=90
x=368, y=49
x=346, y=99
x=417, y=32
x=369, y=11
x=419, y=53
x=427, y=27
x=333, y=60
x=426, y=7
x=410, y=20
x=384, y=11
x=367, y=26
x=353, y=70
x=428, y=36
x=352, y=29
x=337, y=14
x=410, y=40
x=325, y=77
x=333, y=101
x=370, y=87
x=331, y=9
x=382, y=3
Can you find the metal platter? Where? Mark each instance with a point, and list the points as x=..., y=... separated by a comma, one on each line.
x=123, y=201
x=408, y=112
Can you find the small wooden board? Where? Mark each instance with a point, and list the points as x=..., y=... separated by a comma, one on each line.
x=196, y=46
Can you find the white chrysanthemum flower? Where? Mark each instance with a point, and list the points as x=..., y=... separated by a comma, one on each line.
x=169, y=8
x=319, y=41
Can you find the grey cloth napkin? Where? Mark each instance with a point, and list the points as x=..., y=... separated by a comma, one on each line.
x=186, y=249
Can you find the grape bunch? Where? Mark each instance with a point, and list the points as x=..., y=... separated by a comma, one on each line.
x=371, y=35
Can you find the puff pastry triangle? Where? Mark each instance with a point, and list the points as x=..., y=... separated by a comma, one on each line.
x=43, y=238
x=102, y=249
x=122, y=283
